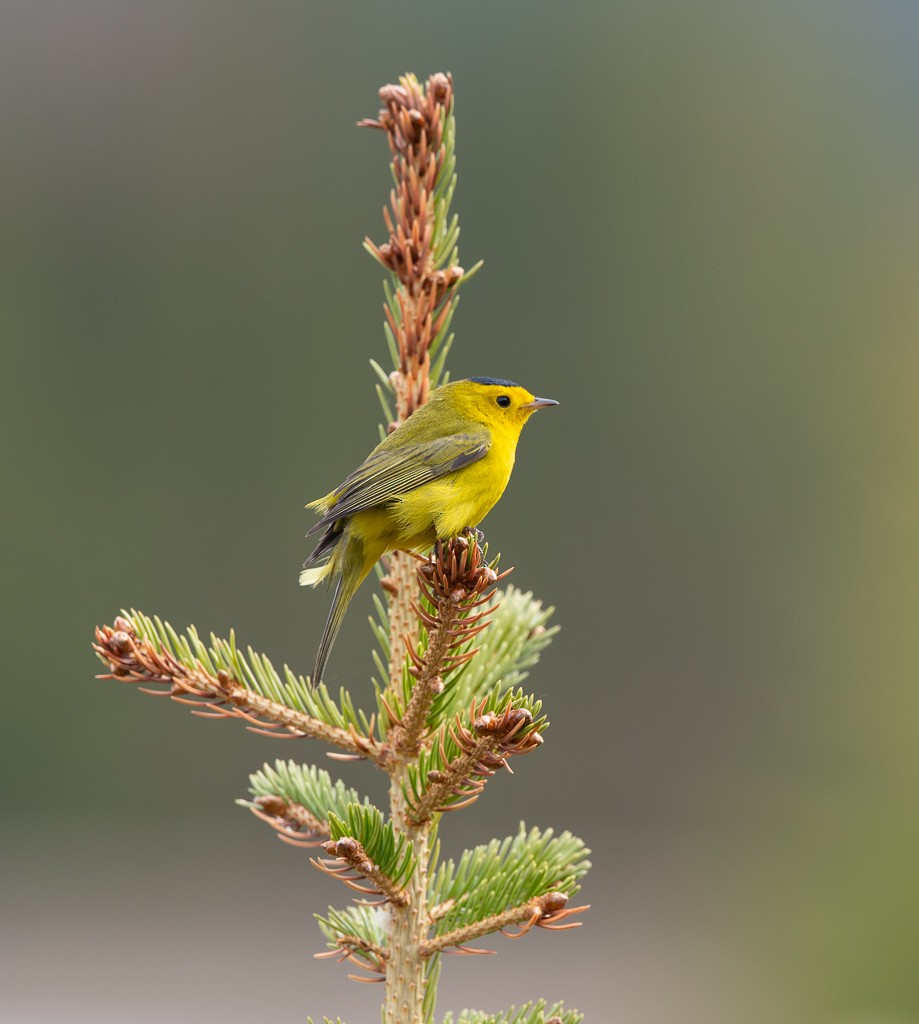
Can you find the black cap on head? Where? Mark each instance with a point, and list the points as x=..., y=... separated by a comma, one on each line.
x=494, y=380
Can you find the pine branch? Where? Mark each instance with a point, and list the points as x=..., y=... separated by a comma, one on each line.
x=366, y=846
x=360, y=920
x=498, y=876
x=354, y=863
x=530, y=1013
x=297, y=799
x=294, y=823
x=221, y=683
x=356, y=935
x=546, y=911
x=455, y=771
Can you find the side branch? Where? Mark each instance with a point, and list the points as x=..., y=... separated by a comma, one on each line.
x=351, y=861
x=294, y=823
x=361, y=953
x=136, y=659
x=546, y=911
x=485, y=748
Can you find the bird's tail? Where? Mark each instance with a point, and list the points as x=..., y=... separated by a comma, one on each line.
x=330, y=544
x=310, y=577
x=348, y=560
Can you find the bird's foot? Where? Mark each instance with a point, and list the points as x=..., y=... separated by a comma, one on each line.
x=473, y=532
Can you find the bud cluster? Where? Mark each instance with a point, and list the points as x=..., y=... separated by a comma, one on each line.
x=416, y=119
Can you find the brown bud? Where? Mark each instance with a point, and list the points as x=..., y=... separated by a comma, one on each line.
x=123, y=624
x=223, y=677
x=346, y=847
x=485, y=724
x=394, y=94
x=439, y=86
x=436, y=776
x=271, y=804
x=552, y=902
x=120, y=642
x=515, y=716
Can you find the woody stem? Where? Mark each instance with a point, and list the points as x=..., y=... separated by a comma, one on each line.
x=405, y=970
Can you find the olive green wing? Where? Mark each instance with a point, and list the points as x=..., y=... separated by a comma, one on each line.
x=389, y=472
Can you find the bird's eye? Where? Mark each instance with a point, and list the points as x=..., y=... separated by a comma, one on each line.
x=503, y=400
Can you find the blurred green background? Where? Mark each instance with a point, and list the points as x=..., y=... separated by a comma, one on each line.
x=700, y=223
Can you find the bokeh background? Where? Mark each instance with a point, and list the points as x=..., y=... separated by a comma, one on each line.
x=700, y=223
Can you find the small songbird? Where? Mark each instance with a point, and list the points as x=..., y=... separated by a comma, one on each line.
x=436, y=475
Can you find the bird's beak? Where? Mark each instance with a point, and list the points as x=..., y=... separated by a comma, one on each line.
x=539, y=403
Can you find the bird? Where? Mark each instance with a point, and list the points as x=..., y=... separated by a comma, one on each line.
x=436, y=475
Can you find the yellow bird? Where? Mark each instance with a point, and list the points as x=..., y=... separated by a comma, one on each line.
x=436, y=475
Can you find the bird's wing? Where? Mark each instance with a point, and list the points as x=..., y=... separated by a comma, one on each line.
x=387, y=473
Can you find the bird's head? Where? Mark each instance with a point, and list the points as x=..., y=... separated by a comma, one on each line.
x=500, y=404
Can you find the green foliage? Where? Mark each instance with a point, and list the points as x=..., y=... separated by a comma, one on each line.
x=381, y=656
x=431, y=979
x=436, y=759
x=508, y=649
x=304, y=784
x=360, y=921
x=507, y=873
x=252, y=670
x=530, y=1013
x=379, y=625
x=390, y=852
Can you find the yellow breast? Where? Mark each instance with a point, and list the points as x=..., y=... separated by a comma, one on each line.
x=444, y=507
